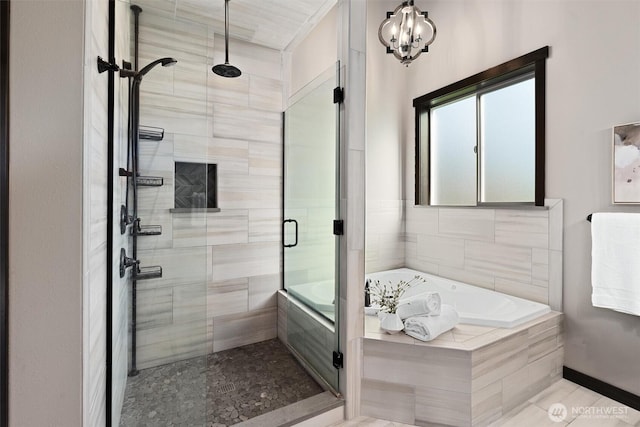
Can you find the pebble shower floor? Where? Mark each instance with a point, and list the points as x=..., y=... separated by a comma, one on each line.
x=231, y=386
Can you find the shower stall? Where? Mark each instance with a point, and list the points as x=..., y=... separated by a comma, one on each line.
x=224, y=206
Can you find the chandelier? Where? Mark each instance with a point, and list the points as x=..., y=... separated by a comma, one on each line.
x=407, y=32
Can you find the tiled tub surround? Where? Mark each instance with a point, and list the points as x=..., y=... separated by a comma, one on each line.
x=513, y=251
x=221, y=270
x=385, y=236
x=308, y=334
x=469, y=376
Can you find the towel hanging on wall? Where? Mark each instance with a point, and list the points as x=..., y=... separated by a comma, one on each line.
x=615, y=261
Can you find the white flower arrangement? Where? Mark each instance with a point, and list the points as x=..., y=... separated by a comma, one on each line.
x=387, y=296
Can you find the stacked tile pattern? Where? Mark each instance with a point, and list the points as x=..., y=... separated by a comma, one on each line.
x=221, y=270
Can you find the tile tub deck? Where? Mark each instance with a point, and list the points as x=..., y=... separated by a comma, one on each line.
x=469, y=376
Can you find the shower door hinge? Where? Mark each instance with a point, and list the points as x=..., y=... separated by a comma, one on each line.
x=338, y=95
x=338, y=227
x=338, y=360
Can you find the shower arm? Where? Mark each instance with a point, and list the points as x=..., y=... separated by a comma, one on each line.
x=226, y=32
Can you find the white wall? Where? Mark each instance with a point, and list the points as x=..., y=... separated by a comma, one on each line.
x=386, y=101
x=315, y=54
x=45, y=214
x=592, y=85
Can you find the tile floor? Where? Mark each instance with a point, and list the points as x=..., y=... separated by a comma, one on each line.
x=585, y=408
x=223, y=389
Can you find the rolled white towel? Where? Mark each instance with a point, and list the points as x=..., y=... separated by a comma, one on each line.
x=426, y=304
x=426, y=328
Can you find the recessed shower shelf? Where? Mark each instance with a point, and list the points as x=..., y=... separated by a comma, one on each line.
x=150, y=181
x=144, y=273
x=146, y=230
x=151, y=133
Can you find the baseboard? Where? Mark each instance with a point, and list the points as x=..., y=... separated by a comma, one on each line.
x=605, y=389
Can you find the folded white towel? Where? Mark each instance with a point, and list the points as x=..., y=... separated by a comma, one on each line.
x=424, y=304
x=426, y=328
x=615, y=270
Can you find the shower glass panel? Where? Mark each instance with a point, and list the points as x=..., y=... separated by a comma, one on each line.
x=311, y=197
x=161, y=328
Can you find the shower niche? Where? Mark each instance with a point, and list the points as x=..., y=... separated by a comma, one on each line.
x=195, y=187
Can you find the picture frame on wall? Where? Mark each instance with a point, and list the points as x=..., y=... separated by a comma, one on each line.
x=626, y=164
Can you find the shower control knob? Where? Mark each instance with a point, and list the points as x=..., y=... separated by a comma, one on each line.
x=126, y=262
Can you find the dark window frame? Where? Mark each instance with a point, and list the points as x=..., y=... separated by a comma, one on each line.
x=533, y=62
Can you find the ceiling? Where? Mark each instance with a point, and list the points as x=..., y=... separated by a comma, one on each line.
x=271, y=23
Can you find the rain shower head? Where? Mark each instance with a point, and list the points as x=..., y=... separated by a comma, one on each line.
x=226, y=69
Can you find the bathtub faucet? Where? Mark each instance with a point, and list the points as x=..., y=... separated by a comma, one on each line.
x=367, y=297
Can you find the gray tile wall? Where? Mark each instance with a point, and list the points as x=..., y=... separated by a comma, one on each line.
x=385, y=235
x=430, y=384
x=96, y=185
x=221, y=271
x=96, y=218
x=352, y=27
x=514, y=251
x=121, y=287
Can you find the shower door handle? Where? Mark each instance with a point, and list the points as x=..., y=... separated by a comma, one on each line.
x=284, y=224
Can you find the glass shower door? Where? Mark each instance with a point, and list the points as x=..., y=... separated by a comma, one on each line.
x=311, y=204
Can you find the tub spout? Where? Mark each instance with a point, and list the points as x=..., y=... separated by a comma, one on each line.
x=367, y=296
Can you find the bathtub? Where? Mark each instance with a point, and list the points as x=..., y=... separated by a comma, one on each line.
x=318, y=296
x=475, y=305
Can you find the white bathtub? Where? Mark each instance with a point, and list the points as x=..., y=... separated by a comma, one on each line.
x=475, y=305
x=317, y=295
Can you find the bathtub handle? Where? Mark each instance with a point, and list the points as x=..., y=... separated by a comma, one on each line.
x=296, y=224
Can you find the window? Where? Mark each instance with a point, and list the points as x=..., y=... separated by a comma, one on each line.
x=480, y=141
